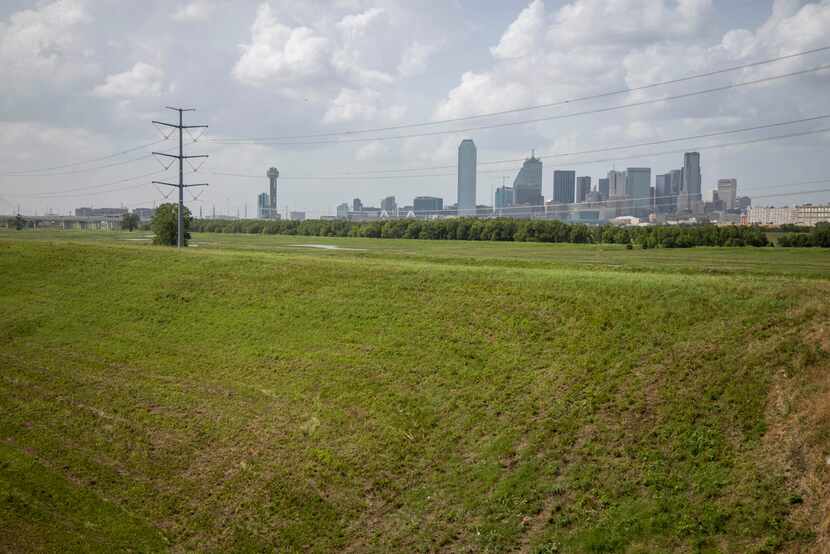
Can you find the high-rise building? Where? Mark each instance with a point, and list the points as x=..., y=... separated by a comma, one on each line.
x=263, y=206
x=527, y=187
x=602, y=188
x=343, y=211
x=690, y=199
x=389, y=205
x=617, y=200
x=504, y=197
x=357, y=205
x=272, y=174
x=676, y=187
x=467, y=177
x=583, y=187
x=428, y=204
x=638, y=189
x=616, y=184
x=297, y=216
x=564, y=182
x=728, y=193
x=662, y=193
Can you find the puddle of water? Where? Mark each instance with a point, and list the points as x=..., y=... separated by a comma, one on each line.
x=327, y=247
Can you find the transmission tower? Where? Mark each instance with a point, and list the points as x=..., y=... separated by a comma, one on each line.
x=181, y=157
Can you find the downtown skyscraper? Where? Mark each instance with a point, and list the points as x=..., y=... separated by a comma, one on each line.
x=467, y=177
x=564, y=186
x=527, y=187
x=690, y=199
x=583, y=187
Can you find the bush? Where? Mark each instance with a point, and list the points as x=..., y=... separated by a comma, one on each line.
x=165, y=225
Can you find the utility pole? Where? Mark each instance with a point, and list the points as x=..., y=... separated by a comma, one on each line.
x=181, y=157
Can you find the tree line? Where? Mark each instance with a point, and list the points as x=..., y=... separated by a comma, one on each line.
x=816, y=236
x=503, y=229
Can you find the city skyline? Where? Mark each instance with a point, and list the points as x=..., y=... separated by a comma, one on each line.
x=627, y=193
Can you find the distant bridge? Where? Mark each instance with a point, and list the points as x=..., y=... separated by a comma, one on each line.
x=51, y=221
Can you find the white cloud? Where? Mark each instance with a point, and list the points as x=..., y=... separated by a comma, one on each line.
x=414, y=59
x=198, y=10
x=345, y=64
x=583, y=22
x=545, y=56
x=142, y=80
x=44, y=45
x=371, y=151
x=368, y=48
x=280, y=53
x=483, y=93
x=523, y=36
x=364, y=104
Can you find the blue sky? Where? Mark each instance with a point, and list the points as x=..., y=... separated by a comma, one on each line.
x=85, y=77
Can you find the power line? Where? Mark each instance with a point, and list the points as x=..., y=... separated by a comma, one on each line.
x=67, y=192
x=574, y=163
x=547, y=105
x=605, y=149
x=541, y=119
x=23, y=173
x=84, y=170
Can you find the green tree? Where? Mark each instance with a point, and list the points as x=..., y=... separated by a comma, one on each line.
x=19, y=222
x=130, y=222
x=165, y=225
x=821, y=235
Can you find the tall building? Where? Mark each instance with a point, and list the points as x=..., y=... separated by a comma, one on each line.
x=616, y=185
x=638, y=189
x=662, y=193
x=343, y=211
x=504, y=197
x=676, y=187
x=583, y=187
x=389, y=205
x=273, y=174
x=690, y=198
x=617, y=200
x=467, y=177
x=563, y=186
x=428, y=204
x=527, y=187
x=602, y=188
x=357, y=205
x=263, y=206
x=728, y=193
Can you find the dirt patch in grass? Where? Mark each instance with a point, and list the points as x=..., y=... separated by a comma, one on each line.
x=798, y=439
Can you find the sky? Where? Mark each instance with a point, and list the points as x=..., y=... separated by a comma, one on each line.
x=276, y=81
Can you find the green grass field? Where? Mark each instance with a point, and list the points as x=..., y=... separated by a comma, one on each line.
x=251, y=394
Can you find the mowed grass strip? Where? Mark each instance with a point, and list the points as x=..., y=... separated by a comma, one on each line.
x=248, y=401
x=788, y=263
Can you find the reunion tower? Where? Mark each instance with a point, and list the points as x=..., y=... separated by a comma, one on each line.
x=272, y=174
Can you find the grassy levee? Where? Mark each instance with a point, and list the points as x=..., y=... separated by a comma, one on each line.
x=231, y=397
